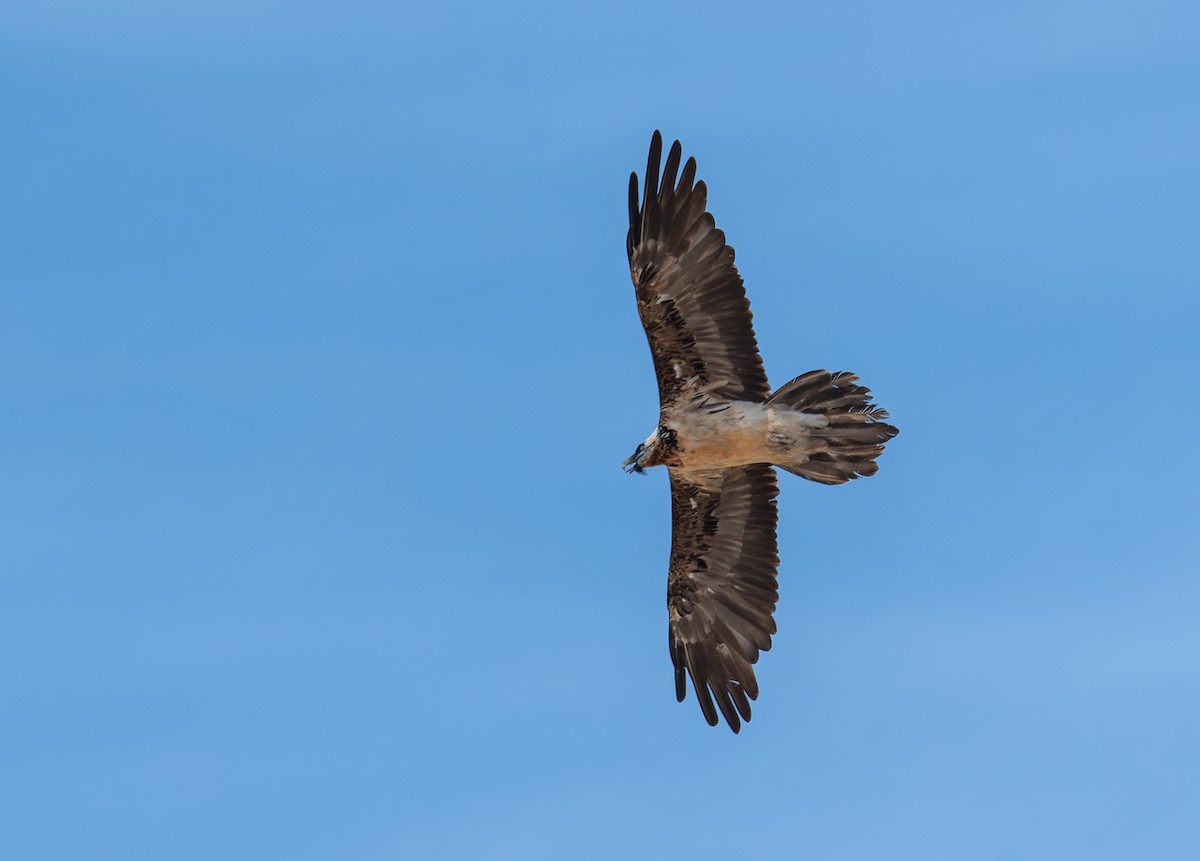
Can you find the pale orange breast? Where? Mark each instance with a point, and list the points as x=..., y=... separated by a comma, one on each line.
x=733, y=437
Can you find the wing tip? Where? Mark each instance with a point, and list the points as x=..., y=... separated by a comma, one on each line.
x=633, y=200
x=653, y=161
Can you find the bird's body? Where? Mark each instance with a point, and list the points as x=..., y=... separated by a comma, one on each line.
x=720, y=433
x=736, y=434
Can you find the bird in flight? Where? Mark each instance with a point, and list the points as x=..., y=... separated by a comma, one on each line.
x=721, y=432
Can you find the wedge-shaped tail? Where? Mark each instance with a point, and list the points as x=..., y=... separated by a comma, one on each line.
x=844, y=446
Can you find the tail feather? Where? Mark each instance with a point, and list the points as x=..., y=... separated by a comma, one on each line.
x=854, y=433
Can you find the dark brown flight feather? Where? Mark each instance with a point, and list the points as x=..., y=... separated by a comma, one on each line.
x=721, y=588
x=689, y=294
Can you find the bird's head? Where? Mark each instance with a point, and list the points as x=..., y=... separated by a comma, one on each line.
x=636, y=461
x=656, y=450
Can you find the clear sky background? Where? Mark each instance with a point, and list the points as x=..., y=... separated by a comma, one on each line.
x=319, y=358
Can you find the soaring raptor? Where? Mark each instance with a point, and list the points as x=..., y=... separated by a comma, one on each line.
x=721, y=431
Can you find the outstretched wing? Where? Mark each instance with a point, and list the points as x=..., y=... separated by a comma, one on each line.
x=721, y=587
x=689, y=294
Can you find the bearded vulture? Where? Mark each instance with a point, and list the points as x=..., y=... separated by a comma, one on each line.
x=721, y=431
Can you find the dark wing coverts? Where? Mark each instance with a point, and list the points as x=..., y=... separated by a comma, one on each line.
x=721, y=586
x=689, y=294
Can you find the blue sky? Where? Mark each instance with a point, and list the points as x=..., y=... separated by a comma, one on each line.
x=319, y=357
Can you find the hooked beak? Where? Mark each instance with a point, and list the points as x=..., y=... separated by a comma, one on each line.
x=633, y=463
